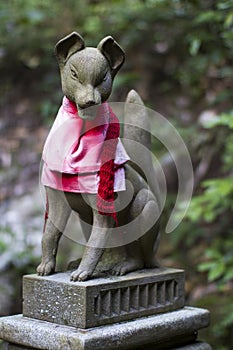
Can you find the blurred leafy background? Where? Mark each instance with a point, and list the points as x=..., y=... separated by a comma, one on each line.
x=179, y=58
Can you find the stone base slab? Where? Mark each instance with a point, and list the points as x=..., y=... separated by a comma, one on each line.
x=101, y=301
x=173, y=330
x=193, y=346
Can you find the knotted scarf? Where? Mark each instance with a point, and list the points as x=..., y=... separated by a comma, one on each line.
x=75, y=147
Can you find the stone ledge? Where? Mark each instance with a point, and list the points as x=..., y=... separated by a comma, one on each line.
x=196, y=346
x=102, y=301
x=193, y=346
x=173, y=326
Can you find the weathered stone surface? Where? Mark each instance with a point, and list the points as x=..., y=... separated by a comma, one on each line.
x=10, y=346
x=172, y=327
x=102, y=300
x=194, y=346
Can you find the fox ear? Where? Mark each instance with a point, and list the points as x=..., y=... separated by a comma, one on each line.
x=113, y=52
x=68, y=46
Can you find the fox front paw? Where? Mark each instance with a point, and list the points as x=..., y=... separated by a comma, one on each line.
x=80, y=275
x=46, y=268
x=125, y=267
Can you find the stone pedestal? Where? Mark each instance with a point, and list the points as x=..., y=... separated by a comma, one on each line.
x=102, y=301
x=143, y=310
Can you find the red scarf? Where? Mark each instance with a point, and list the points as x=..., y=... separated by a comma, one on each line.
x=105, y=198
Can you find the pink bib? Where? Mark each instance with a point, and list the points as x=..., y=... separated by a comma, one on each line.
x=72, y=151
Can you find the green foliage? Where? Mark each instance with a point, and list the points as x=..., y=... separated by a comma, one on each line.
x=3, y=247
x=225, y=119
x=20, y=257
x=209, y=218
x=215, y=204
x=216, y=198
x=189, y=41
x=219, y=265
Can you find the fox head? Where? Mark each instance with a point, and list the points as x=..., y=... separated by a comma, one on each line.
x=87, y=73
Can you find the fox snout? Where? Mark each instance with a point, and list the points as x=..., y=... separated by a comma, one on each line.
x=89, y=103
x=86, y=99
x=87, y=96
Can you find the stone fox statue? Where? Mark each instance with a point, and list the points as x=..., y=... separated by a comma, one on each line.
x=87, y=168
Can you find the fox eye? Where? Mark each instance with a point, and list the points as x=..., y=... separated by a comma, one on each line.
x=74, y=74
x=105, y=77
x=99, y=82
